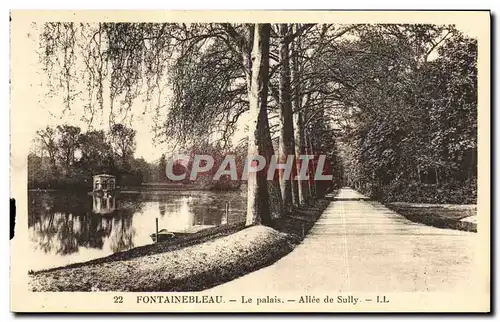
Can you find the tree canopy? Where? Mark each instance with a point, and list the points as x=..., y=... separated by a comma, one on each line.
x=391, y=105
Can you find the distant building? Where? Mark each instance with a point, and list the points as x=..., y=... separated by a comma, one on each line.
x=104, y=182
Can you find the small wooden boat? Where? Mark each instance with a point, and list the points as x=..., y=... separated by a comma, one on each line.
x=163, y=235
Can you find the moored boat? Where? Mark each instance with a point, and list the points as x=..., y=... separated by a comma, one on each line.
x=163, y=235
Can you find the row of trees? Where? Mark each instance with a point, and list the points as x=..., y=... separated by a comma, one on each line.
x=65, y=156
x=301, y=89
x=267, y=72
x=205, y=179
x=412, y=134
x=217, y=73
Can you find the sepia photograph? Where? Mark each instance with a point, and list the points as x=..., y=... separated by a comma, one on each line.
x=275, y=161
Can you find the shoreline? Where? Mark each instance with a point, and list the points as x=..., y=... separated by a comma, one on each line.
x=136, y=190
x=199, y=237
x=185, y=264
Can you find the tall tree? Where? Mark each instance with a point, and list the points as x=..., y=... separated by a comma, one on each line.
x=123, y=144
x=136, y=55
x=47, y=137
x=286, y=140
x=162, y=168
x=96, y=152
x=67, y=143
x=258, y=210
x=299, y=135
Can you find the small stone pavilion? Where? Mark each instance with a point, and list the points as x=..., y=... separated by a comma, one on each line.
x=104, y=182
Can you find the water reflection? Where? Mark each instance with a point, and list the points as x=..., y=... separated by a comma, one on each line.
x=104, y=205
x=68, y=227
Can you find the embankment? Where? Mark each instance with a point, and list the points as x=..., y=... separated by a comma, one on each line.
x=213, y=257
x=188, y=269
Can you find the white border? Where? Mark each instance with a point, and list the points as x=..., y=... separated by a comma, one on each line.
x=190, y=5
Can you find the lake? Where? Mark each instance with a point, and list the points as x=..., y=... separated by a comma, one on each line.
x=67, y=228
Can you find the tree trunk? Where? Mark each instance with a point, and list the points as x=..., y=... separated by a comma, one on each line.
x=267, y=151
x=53, y=165
x=258, y=210
x=303, y=188
x=307, y=183
x=266, y=147
x=311, y=169
x=299, y=140
x=286, y=140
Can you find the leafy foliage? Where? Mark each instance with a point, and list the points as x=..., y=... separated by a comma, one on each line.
x=415, y=115
x=68, y=157
x=394, y=107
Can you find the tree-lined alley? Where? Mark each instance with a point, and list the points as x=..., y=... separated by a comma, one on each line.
x=393, y=107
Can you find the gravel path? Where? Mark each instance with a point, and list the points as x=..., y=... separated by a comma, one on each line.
x=360, y=245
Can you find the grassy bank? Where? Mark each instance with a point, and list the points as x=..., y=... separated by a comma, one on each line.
x=205, y=259
x=188, y=269
x=301, y=220
x=202, y=236
x=440, y=216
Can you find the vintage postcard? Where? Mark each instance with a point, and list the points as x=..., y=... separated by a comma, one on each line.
x=250, y=161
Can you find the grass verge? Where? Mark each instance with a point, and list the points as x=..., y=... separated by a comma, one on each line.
x=439, y=216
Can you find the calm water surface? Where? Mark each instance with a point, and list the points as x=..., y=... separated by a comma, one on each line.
x=73, y=227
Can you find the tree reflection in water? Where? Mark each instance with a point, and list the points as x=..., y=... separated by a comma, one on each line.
x=122, y=235
x=210, y=210
x=61, y=223
x=103, y=205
